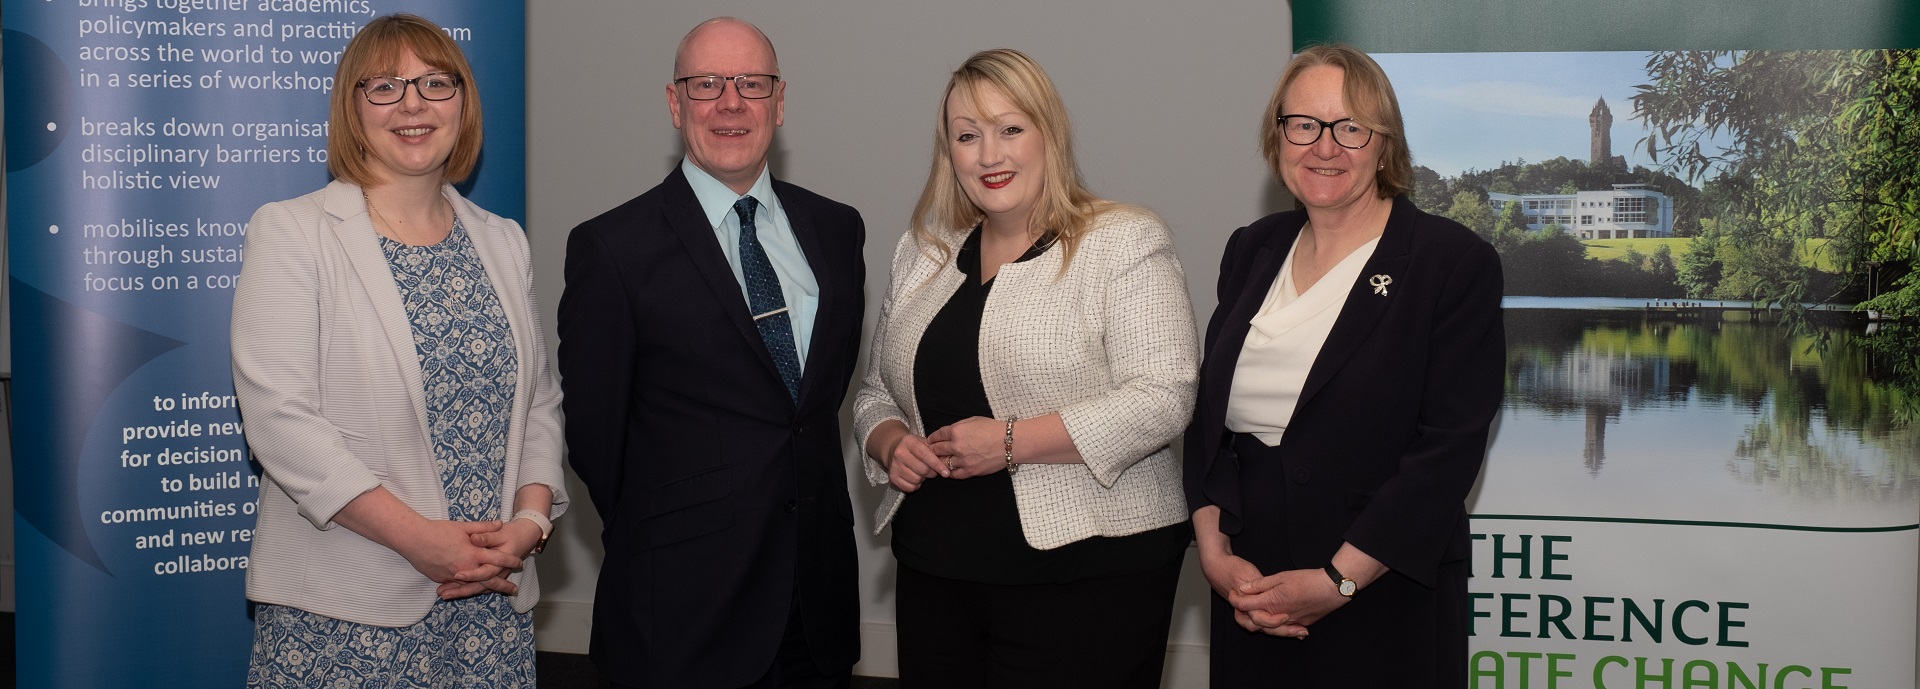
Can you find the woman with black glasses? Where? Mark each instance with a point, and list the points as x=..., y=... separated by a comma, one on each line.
x=1351, y=371
x=394, y=380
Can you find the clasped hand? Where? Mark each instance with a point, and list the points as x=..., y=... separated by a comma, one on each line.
x=1281, y=604
x=969, y=447
x=469, y=558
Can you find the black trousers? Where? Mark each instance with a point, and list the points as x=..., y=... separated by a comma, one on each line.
x=793, y=666
x=1109, y=632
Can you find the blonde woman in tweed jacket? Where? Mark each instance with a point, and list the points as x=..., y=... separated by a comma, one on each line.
x=1034, y=358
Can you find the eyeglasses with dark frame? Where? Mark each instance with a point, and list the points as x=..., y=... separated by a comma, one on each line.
x=436, y=86
x=712, y=86
x=1305, y=130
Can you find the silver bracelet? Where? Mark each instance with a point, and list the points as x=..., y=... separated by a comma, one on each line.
x=1011, y=467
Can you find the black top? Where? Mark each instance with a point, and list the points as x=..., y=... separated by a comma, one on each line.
x=969, y=530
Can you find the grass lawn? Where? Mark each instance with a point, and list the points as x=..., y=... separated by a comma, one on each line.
x=1614, y=249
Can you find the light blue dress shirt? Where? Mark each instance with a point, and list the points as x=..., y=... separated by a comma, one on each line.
x=797, y=284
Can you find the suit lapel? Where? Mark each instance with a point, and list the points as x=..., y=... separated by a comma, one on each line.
x=1225, y=355
x=1365, y=303
x=689, y=223
x=354, y=230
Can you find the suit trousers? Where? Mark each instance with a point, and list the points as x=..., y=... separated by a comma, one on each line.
x=793, y=666
x=1108, y=632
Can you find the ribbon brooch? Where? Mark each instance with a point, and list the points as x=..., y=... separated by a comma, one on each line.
x=1380, y=283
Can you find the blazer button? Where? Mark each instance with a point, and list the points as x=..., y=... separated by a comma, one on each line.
x=799, y=429
x=1300, y=474
x=792, y=505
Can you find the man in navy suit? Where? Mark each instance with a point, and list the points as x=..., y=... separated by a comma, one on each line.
x=707, y=334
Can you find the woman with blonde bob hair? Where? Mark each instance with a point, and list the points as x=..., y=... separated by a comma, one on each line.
x=393, y=375
x=1353, y=368
x=1033, y=360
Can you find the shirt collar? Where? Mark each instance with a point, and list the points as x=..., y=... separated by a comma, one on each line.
x=717, y=200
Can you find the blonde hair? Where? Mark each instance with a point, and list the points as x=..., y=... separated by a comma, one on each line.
x=1370, y=99
x=1066, y=209
x=376, y=51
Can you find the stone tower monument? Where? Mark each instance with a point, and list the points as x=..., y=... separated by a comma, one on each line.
x=1601, y=120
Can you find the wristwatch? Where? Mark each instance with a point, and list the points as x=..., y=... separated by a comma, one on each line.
x=540, y=520
x=1346, y=586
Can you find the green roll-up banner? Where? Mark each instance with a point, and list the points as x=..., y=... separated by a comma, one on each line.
x=1707, y=469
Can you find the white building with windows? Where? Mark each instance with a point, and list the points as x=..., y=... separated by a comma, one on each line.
x=1627, y=211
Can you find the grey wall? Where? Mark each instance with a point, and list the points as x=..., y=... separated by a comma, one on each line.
x=1165, y=98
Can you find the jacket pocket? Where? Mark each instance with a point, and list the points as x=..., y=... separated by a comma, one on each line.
x=689, y=507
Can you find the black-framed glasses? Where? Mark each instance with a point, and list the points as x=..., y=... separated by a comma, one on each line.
x=1304, y=130
x=389, y=90
x=711, y=86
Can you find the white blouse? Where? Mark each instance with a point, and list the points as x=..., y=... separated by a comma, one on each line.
x=1286, y=337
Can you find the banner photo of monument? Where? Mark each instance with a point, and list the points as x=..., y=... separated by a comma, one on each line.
x=1706, y=472
x=141, y=135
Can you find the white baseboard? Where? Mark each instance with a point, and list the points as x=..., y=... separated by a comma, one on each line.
x=562, y=626
x=1186, y=667
x=879, y=651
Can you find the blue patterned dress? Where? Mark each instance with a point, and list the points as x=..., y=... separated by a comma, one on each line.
x=467, y=356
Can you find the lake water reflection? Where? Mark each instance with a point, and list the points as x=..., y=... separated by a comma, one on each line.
x=1612, y=412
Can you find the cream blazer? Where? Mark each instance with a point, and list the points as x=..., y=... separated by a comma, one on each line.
x=1110, y=345
x=333, y=403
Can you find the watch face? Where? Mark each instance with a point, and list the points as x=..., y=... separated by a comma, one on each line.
x=1347, y=587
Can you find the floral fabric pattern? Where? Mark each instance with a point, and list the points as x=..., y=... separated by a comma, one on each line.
x=467, y=357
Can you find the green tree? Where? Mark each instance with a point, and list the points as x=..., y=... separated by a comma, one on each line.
x=1661, y=265
x=1547, y=262
x=1429, y=189
x=1509, y=228
x=1634, y=259
x=1824, y=144
x=1471, y=210
x=1699, y=273
x=1885, y=121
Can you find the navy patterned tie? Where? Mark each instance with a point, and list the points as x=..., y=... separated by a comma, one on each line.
x=764, y=299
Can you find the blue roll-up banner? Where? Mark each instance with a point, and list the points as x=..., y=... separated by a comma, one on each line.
x=140, y=137
x=1704, y=472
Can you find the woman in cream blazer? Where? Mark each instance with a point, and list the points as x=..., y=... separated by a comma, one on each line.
x=394, y=383
x=334, y=403
x=1033, y=360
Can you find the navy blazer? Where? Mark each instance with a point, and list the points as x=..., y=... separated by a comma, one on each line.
x=723, y=498
x=1391, y=427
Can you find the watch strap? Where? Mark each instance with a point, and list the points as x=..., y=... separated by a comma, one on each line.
x=540, y=520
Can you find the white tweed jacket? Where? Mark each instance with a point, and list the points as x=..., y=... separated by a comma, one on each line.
x=1110, y=345
x=332, y=399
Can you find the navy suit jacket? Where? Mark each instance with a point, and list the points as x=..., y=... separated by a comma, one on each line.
x=722, y=497
x=1391, y=426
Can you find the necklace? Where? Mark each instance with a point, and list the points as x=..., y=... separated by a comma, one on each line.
x=383, y=218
